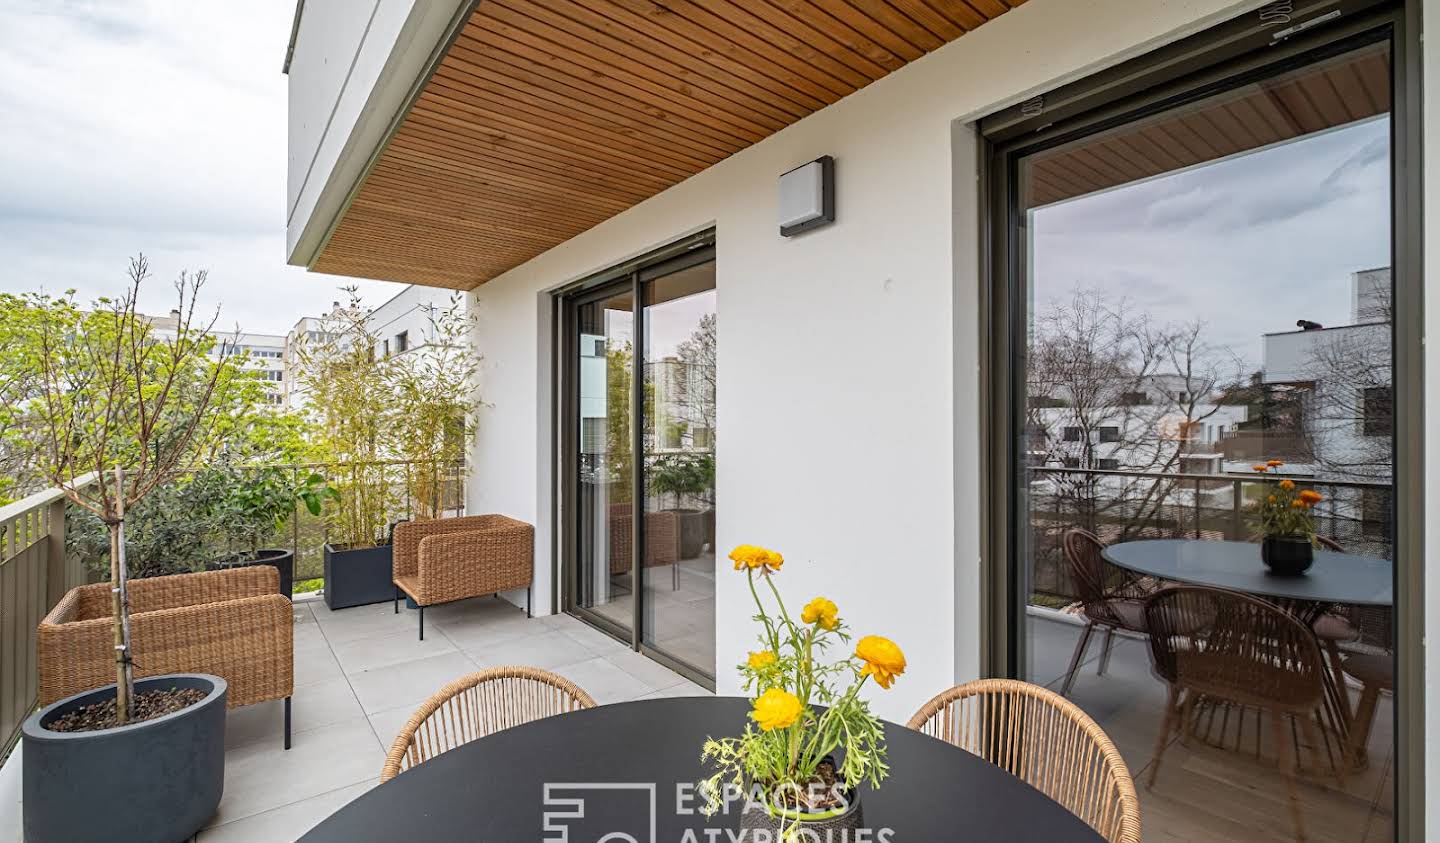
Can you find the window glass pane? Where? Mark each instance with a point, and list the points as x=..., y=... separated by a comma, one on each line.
x=1209, y=288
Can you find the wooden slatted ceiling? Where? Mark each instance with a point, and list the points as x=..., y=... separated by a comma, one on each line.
x=547, y=117
x=1352, y=88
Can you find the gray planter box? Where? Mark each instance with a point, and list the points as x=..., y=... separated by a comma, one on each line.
x=158, y=781
x=358, y=577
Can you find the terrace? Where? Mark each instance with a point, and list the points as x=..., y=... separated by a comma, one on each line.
x=359, y=675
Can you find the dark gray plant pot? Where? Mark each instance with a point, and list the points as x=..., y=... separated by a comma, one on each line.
x=758, y=825
x=158, y=781
x=281, y=560
x=359, y=576
x=692, y=532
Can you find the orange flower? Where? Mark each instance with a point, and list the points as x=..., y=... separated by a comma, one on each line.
x=750, y=556
x=1272, y=499
x=1310, y=497
x=1299, y=503
x=1259, y=469
x=1287, y=485
x=1274, y=463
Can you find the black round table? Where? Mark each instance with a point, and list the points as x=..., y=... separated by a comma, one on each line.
x=1333, y=578
x=626, y=772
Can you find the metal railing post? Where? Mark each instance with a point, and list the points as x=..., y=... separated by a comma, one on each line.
x=1235, y=506
x=57, y=578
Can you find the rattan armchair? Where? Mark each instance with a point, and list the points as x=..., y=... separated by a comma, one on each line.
x=1111, y=598
x=454, y=558
x=1225, y=646
x=478, y=705
x=233, y=624
x=1046, y=741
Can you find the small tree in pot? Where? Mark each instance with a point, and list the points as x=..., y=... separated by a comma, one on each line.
x=120, y=410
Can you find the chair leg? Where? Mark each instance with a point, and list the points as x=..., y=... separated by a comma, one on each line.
x=1287, y=755
x=1318, y=749
x=397, y=600
x=528, y=611
x=422, y=621
x=1360, y=726
x=1105, y=653
x=1077, y=658
x=287, y=722
x=1337, y=667
x=675, y=576
x=1167, y=725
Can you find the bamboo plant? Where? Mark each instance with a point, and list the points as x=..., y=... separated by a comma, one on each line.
x=347, y=386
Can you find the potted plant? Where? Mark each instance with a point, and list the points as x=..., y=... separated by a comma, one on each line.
x=256, y=502
x=683, y=475
x=119, y=410
x=348, y=384
x=1285, y=522
x=813, y=741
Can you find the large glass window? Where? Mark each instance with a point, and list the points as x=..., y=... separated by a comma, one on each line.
x=1208, y=316
x=642, y=562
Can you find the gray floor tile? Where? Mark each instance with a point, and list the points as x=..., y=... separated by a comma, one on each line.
x=547, y=649
x=604, y=681
x=645, y=669
x=312, y=706
x=263, y=776
x=408, y=683
x=394, y=648
x=286, y=823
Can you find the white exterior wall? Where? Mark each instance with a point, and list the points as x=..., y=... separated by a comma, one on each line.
x=408, y=311
x=864, y=471
x=354, y=62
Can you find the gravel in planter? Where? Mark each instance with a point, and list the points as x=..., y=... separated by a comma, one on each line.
x=146, y=705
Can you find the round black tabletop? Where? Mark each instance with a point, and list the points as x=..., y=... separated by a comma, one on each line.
x=627, y=772
x=1332, y=578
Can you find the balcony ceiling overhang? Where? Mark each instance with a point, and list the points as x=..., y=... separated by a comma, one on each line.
x=547, y=117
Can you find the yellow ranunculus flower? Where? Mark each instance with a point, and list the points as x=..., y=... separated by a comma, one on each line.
x=1274, y=463
x=776, y=709
x=753, y=556
x=1259, y=468
x=821, y=611
x=883, y=659
x=1310, y=496
x=759, y=660
x=1287, y=485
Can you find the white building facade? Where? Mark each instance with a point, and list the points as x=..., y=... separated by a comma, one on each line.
x=855, y=366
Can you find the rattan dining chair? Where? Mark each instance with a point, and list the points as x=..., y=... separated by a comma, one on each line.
x=1226, y=646
x=1044, y=740
x=478, y=705
x=1111, y=598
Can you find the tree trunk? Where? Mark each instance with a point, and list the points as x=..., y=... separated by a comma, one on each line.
x=120, y=608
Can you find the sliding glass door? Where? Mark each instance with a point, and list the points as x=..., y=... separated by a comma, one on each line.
x=1199, y=298
x=640, y=379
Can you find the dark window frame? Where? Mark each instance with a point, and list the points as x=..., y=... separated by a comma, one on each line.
x=1190, y=69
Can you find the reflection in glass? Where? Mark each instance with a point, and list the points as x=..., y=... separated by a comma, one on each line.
x=1210, y=287
x=679, y=435
x=606, y=466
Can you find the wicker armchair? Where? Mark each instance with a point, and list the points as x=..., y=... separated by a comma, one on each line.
x=233, y=624
x=1046, y=741
x=455, y=558
x=478, y=705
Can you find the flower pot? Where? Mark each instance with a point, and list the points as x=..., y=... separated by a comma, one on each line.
x=769, y=823
x=281, y=560
x=1287, y=556
x=156, y=780
x=358, y=576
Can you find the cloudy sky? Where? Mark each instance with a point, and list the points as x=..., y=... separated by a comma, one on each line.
x=154, y=126
x=1247, y=245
